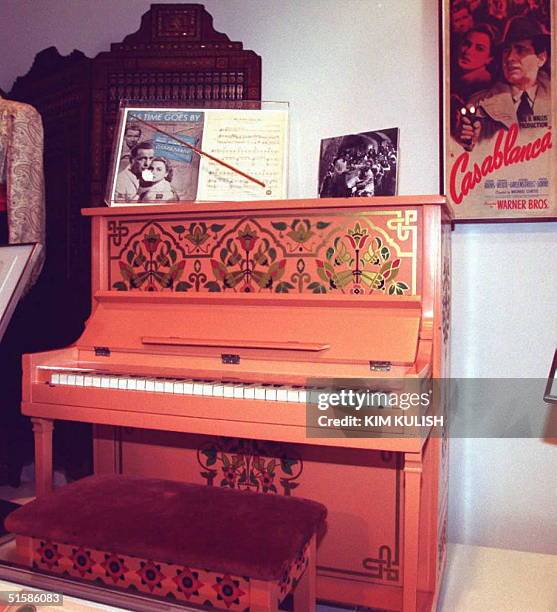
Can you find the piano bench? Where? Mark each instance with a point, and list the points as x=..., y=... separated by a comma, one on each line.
x=195, y=544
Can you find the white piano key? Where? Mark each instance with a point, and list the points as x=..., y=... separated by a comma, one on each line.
x=178, y=387
x=79, y=380
x=131, y=383
x=149, y=384
x=302, y=396
x=197, y=387
x=292, y=395
x=63, y=379
x=71, y=380
x=105, y=382
x=282, y=394
x=259, y=393
x=271, y=393
x=141, y=384
x=159, y=385
x=169, y=385
x=97, y=381
x=315, y=392
x=249, y=392
x=239, y=391
x=218, y=390
x=88, y=380
x=228, y=390
x=122, y=383
x=113, y=384
x=55, y=378
x=188, y=387
x=208, y=388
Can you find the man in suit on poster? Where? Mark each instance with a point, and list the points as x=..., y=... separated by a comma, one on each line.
x=132, y=135
x=523, y=96
x=128, y=180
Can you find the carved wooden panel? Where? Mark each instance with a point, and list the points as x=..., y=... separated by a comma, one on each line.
x=175, y=56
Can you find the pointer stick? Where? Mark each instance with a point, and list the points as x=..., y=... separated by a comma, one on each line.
x=199, y=151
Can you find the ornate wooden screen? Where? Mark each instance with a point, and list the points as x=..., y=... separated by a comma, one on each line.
x=175, y=56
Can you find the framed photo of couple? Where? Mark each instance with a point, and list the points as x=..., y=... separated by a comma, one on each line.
x=500, y=109
x=165, y=155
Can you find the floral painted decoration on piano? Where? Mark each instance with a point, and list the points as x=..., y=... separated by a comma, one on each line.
x=358, y=255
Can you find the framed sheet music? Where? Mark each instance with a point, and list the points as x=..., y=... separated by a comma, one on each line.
x=16, y=264
x=164, y=155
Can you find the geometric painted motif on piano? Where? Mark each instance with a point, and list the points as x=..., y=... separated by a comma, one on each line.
x=357, y=254
x=249, y=465
x=167, y=581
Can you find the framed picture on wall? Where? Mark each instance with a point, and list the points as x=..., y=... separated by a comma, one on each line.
x=499, y=109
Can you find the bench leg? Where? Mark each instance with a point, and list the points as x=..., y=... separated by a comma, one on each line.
x=305, y=591
x=263, y=596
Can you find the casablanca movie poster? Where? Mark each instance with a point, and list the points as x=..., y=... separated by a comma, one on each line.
x=500, y=109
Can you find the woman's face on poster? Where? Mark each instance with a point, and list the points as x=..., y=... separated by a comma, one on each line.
x=158, y=168
x=475, y=51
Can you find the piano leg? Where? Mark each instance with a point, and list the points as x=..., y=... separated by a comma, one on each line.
x=412, y=489
x=42, y=430
x=107, y=449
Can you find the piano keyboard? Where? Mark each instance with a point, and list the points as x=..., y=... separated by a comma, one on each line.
x=176, y=386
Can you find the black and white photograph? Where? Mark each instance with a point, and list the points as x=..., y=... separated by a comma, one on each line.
x=363, y=164
x=154, y=163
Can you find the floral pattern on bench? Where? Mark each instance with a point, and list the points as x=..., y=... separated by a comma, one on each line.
x=202, y=587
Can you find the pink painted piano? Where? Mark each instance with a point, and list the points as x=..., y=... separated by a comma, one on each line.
x=210, y=324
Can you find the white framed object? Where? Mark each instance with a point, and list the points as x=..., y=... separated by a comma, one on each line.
x=166, y=155
x=16, y=264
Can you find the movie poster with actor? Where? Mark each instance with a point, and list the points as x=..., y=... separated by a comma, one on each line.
x=500, y=110
x=154, y=162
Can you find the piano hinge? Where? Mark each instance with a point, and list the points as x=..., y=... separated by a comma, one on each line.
x=230, y=358
x=380, y=366
x=102, y=351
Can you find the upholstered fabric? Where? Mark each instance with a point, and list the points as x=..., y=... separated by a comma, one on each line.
x=241, y=533
x=21, y=171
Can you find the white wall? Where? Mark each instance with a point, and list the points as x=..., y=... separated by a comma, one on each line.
x=504, y=305
x=358, y=65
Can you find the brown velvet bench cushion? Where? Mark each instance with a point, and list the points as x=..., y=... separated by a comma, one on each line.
x=241, y=533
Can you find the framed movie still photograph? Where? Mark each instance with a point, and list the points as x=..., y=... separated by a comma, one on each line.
x=500, y=109
x=363, y=164
x=16, y=264
x=165, y=155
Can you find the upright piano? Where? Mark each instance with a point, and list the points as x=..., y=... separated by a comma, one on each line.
x=210, y=323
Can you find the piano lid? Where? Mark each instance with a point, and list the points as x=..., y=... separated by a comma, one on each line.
x=305, y=329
